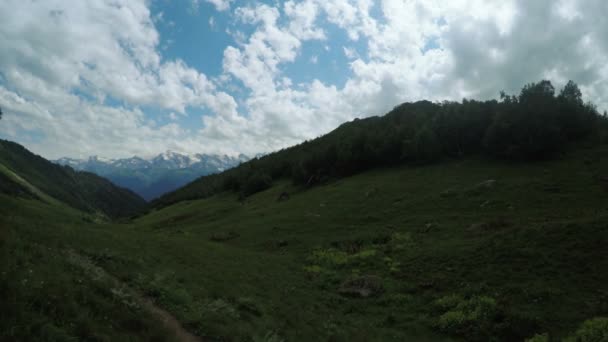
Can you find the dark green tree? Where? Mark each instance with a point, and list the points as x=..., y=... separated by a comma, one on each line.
x=528, y=128
x=427, y=145
x=576, y=118
x=571, y=94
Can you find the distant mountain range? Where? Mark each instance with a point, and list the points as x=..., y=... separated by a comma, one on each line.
x=152, y=177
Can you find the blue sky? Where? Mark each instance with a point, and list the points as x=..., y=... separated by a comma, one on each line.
x=140, y=77
x=198, y=34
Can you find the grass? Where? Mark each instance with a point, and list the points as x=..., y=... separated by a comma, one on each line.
x=449, y=255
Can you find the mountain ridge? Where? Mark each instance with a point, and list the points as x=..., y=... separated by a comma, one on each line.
x=26, y=174
x=154, y=176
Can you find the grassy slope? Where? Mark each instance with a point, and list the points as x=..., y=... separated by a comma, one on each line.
x=45, y=295
x=11, y=179
x=534, y=241
x=81, y=190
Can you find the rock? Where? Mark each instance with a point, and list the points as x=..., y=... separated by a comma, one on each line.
x=223, y=236
x=447, y=193
x=552, y=189
x=284, y=196
x=362, y=287
x=478, y=226
x=371, y=192
x=487, y=184
x=428, y=227
x=485, y=204
x=426, y=285
x=482, y=186
x=494, y=225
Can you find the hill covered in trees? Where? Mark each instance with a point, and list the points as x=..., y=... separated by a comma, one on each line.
x=535, y=124
x=25, y=174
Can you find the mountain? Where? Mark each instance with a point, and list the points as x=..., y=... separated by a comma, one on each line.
x=153, y=177
x=25, y=174
x=535, y=125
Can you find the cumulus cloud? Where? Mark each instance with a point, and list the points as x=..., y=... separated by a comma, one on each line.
x=64, y=68
x=416, y=50
x=220, y=5
x=100, y=50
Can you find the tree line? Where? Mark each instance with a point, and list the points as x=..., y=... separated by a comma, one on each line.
x=535, y=124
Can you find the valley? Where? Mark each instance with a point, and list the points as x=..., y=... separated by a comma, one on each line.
x=152, y=177
x=303, y=171
x=531, y=245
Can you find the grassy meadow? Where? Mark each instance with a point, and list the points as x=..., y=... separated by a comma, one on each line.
x=458, y=250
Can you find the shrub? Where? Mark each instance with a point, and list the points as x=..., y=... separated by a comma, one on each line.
x=335, y=258
x=592, y=330
x=538, y=338
x=473, y=318
x=257, y=182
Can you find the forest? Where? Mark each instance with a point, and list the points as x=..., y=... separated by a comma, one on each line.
x=536, y=124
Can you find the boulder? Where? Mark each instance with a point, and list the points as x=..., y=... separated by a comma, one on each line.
x=284, y=196
x=223, y=236
x=482, y=187
x=362, y=287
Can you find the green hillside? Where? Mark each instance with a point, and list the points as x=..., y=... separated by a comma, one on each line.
x=536, y=124
x=468, y=249
x=26, y=173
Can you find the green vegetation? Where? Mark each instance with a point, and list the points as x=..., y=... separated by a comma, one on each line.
x=85, y=191
x=46, y=295
x=465, y=249
x=592, y=330
x=534, y=125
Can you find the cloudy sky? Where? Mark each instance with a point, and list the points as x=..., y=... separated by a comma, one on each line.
x=117, y=78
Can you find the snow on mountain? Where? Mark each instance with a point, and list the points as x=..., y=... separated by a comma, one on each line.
x=167, y=160
x=154, y=176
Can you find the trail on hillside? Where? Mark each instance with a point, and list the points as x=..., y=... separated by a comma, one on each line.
x=130, y=297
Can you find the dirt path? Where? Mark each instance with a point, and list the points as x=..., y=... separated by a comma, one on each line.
x=132, y=297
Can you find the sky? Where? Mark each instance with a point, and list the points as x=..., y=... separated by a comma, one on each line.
x=117, y=78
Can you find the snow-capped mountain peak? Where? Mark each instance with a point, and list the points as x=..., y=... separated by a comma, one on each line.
x=151, y=177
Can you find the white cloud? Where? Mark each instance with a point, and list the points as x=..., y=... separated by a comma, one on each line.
x=302, y=20
x=220, y=5
x=98, y=49
x=405, y=51
x=479, y=48
x=350, y=53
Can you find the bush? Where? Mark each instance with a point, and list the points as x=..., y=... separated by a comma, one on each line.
x=538, y=338
x=523, y=137
x=592, y=330
x=334, y=258
x=472, y=318
x=255, y=183
x=427, y=146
